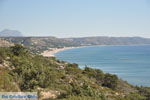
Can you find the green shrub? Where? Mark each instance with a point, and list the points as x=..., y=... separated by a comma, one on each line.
x=18, y=50
x=94, y=73
x=81, y=98
x=144, y=91
x=110, y=81
x=7, y=83
x=135, y=96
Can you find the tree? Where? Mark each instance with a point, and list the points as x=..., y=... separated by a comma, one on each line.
x=18, y=50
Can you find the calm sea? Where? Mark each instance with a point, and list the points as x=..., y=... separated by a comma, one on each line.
x=130, y=63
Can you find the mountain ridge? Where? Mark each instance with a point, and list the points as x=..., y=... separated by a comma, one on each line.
x=41, y=43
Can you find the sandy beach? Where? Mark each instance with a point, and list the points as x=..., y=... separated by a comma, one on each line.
x=52, y=51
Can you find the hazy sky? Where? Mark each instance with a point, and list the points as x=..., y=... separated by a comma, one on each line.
x=76, y=18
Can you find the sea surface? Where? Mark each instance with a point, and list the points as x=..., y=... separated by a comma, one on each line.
x=130, y=63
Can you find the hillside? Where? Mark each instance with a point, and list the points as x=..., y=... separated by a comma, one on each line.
x=40, y=44
x=4, y=43
x=59, y=80
x=102, y=40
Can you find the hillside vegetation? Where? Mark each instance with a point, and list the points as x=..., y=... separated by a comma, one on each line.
x=21, y=70
x=39, y=44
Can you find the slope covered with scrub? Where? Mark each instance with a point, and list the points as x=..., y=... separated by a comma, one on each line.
x=21, y=70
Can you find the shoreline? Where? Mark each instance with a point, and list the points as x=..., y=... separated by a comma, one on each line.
x=50, y=52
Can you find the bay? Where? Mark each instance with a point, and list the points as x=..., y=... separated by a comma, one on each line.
x=130, y=63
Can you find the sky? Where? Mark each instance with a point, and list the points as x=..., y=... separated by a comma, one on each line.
x=76, y=18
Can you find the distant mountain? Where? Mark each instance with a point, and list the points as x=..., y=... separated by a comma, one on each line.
x=10, y=33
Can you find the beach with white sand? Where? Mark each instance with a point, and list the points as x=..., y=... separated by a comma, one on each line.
x=51, y=51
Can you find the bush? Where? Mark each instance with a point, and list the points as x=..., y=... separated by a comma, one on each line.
x=94, y=73
x=2, y=54
x=135, y=96
x=110, y=81
x=18, y=50
x=144, y=91
x=7, y=82
x=81, y=98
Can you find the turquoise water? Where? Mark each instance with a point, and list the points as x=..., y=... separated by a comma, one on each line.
x=130, y=63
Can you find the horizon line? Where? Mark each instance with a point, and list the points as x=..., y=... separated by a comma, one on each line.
x=74, y=37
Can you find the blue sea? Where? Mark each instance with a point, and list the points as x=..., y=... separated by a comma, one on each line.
x=130, y=63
